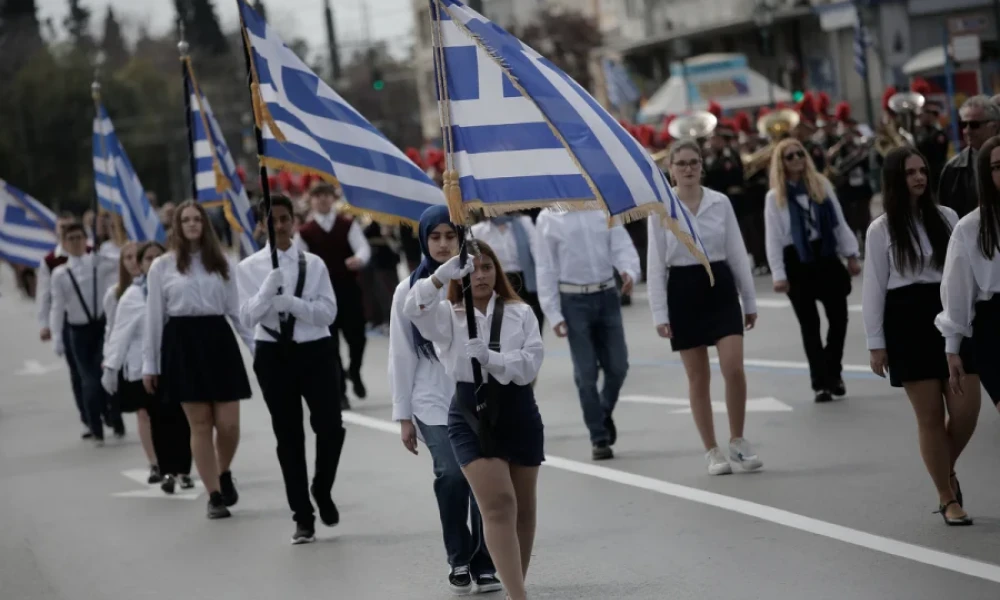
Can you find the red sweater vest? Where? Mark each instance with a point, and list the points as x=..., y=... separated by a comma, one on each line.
x=52, y=261
x=333, y=247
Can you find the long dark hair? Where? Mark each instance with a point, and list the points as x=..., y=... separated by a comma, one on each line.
x=901, y=215
x=989, y=200
x=502, y=286
x=211, y=250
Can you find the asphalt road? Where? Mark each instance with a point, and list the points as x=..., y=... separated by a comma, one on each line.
x=842, y=508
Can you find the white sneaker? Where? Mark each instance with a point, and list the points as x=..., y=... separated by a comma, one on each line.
x=717, y=463
x=741, y=454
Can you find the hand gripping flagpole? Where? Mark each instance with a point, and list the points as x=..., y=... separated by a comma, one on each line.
x=257, y=102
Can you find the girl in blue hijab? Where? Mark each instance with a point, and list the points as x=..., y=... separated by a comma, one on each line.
x=421, y=397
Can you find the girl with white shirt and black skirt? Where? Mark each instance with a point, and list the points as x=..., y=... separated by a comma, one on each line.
x=497, y=434
x=422, y=392
x=970, y=286
x=807, y=235
x=168, y=435
x=904, y=253
x=694, y=314
x=189, y=344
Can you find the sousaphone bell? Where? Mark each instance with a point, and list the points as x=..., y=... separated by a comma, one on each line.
x=695, y=125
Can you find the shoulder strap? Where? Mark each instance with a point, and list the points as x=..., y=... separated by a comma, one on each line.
x=300, y=284
x=496, y=324
x=79, y=295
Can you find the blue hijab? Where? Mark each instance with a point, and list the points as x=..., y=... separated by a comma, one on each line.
x=429, y=221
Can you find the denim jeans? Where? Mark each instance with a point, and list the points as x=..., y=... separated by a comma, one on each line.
x=87, y=343
x=596, y=342
x=456, y=504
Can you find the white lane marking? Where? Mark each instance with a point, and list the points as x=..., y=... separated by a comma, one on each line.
x=153, y=490
x=913, y=552
x=791, y=364
x=753, y=404
x=34, y=367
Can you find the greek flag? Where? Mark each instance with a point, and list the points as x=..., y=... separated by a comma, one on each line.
x=215, y=171
x=861, y=43
x=118, y=187
x=524, y=134
x=27, y=227
x=308, y=128
x=620, y=88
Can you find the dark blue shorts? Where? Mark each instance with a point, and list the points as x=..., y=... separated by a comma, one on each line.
x=520, y=434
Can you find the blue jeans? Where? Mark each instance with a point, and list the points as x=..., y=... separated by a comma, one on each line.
x=596, y=342
x=455, y=503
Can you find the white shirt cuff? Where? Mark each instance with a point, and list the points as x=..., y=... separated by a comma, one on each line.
x=953, y=344
x=876, y=342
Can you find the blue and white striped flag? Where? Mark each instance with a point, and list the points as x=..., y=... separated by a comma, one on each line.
x=309, y=128
x=118, y=187
x=620, y=87
x=27, y=227
x=861, y=43
x=216, y=179
x=524, y=134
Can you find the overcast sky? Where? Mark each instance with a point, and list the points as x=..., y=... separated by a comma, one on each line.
x=390, y=20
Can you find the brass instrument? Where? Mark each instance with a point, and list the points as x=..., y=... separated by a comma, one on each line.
x=696, y=125
x=773, y=126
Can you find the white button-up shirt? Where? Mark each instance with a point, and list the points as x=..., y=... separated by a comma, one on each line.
x=420, y=386
x=521, y=347
x=968, y=277
x=43, y=289
x=196, y=293
x=719, y=232
x=882, y=274
x=65, y=299
x=123, y=348
x=355, y=236
x=319, y=306
x=503, y=241
x=110, y=305
x=578, y=247
x=778, y=232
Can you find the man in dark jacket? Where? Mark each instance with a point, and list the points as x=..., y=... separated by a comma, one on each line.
x=980, y=120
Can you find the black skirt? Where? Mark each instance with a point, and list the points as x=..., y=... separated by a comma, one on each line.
x=519, y=433
x=702, y=314
x=986, y=342
x=201, y=361
x=132, y=396
x=914, y=345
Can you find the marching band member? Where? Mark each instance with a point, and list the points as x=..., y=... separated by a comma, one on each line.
x=723, y=166
x=853, y=185
x=77, y=287
x=43, y=302
x=932, y=141
x=504, y=473
x=167, y=429
x=577, y=257
x=340, y=242
x=294, y=361
x=512, y=237
x=192, y=289
x=806, y=234
x=905, y=253
x=421, y=397
x=971, y=282
x=980, y=120
x=694, y=314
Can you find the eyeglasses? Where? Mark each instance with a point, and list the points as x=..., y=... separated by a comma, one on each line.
x=973, y=125
x=793, y=155
x=687, y=164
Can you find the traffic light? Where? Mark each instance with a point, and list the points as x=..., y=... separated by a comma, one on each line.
x=378, y=83
x=797, y=96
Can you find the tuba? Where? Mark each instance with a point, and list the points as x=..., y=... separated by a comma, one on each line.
x=893, y=135
x=696, y=125
x=773, y=126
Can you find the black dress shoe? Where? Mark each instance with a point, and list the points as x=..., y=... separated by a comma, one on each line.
x=823, y=396
x=839, y=389
x=359, y=388
x=228, y=489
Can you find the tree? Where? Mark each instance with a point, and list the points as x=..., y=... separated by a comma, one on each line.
x=113, y=44
x=567, y=40
x=201, y=26
x=77, y=23
x=20, y=38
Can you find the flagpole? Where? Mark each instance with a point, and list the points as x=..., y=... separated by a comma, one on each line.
x=265, y=188
x=95, y=93
x=183, y=48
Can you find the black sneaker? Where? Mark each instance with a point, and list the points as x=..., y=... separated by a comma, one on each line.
x=460, y=581
x=823, y=396
x=839, y=389
x=154, y=475
x=168, y=485
x=609, y=424
x=186, y=482
x=601, y=451
x=87, y=435
x=487, y=583
x=328, y=512
x=217, y=507
x=228, y=489
x=359, y=388
x=303, y=535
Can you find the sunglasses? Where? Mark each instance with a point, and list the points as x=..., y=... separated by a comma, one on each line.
x=972, y=124
x=687, y=164
x=794, y=155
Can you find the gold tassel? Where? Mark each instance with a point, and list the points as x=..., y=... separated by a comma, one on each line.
x=234, y=223
x=222, y=183
x=453, y=194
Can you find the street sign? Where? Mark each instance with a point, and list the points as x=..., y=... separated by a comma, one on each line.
x=965, y=48
x=683, y=405
x=974, y=24
x=140, y=476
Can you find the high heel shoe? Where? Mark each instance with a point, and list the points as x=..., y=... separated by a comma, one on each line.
x=950, y=521
x=958, y=490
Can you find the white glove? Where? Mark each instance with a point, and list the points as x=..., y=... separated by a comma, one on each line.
x=478, y=349
x=451, y=270
x=284, y=303
x=60, y=351
x=109, y=381
x=272, y=284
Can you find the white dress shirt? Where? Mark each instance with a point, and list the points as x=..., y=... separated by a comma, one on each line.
x=196, y=293
x=778, y=230
x=719, y=231
x=578, y=247
x=521, y=347
x=313, y=315
x=64, y=298
x=43, y=289
x=123, y=348
x=968, y=277
x=355, y=236
x=881, y=273
x=503, y=241
x=420, y=386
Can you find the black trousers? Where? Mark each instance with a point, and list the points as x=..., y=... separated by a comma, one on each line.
x=351, y=324
x=826, y=281
x=171, y=436
x=87, y=343
x=289, y=373
x=74, y=376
